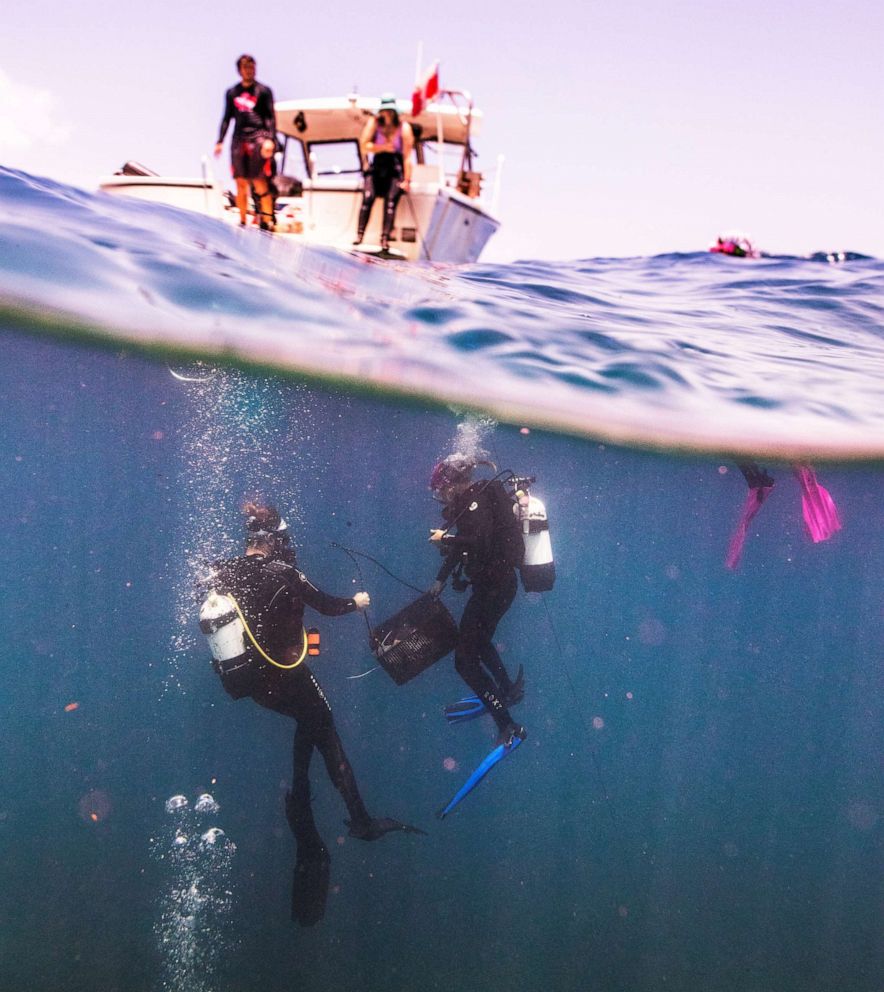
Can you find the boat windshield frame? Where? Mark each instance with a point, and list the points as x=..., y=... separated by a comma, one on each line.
x=307, y=154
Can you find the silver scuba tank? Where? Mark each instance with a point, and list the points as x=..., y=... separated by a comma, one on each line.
x=538, y=569
x=224, y=630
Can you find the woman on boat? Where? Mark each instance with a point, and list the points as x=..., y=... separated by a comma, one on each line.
x=390, y=143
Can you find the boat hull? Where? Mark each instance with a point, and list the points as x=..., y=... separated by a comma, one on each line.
x=199, y=195
x=433, y=223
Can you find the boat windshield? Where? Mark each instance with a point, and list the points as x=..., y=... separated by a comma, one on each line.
x=329, y=158
x=334, y=158
x=444, y=162
x=449, y=154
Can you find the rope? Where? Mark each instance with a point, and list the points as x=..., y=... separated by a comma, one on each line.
x=352, y=551
x=350, y=554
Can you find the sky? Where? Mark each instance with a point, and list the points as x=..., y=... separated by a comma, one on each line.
x=628, y=127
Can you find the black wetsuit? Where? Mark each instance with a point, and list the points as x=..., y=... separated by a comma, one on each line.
x=488, y=544
x=383, y=179
x=251, y=110
x=272, y=595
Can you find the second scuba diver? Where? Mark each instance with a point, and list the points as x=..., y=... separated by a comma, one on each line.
x=481, y=541
x=253, y=618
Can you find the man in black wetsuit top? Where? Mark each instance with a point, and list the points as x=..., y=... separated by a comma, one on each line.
x=482, y=539
x=250, y=105
x=272, y=592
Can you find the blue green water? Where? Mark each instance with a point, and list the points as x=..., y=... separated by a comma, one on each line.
x=698, y=803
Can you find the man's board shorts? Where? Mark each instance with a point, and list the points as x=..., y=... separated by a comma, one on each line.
x=247, y=162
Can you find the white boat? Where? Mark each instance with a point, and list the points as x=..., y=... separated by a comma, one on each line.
x=444, y=217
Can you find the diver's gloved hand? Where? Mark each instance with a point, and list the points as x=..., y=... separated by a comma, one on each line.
x=373, y=829
x=362, y=600
x=436, y=588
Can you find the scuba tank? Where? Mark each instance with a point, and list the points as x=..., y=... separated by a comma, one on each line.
x=226, y=634
x=538, y=568
x=236, y=655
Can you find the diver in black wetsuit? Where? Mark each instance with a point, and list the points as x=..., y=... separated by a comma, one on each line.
x=272, y=593
x=483, y=540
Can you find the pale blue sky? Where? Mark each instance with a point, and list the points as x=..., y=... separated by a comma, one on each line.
x=628, y=127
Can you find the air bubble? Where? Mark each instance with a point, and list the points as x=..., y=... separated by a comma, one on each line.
x=176, y=803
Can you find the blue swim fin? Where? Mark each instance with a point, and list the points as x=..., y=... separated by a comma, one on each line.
x=464, y=709
x=471, y=706
x=488, y=762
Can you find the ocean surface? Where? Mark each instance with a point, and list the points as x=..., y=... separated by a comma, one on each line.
x=698, y=804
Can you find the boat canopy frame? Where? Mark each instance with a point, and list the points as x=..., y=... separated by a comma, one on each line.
x=451, y=120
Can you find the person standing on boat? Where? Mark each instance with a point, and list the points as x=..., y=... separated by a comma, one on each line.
x=269, y=593
x=390, y=143
x=249, y=104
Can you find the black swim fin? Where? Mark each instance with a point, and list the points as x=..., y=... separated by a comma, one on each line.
x=375, y=829
x=517, y=690
x=310, y=884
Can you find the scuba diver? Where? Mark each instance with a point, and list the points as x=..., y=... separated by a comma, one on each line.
x=482, y=540
x=253, y=618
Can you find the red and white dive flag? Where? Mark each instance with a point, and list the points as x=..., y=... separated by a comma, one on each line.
x=425, y=89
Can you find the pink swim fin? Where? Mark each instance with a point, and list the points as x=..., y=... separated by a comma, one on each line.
x=754, y=499
x=821, y=518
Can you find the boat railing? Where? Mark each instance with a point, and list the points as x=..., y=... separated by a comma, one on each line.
x=466, y=179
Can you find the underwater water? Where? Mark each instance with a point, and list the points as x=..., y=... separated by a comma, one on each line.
x=698, y=803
